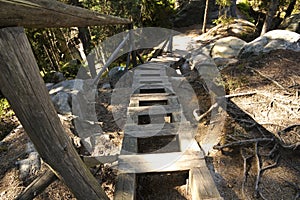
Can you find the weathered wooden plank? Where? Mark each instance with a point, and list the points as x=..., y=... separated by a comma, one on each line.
x=37, y=186
x=46, y=14
x=157, y=127
x=150, y=65
x=125, y=187
x=167, y=86
x=150, y=73
x=202, y=184
x=22, y=85
x=129, y=145
x=170, y=98
x=161, y=162
x=154, y=96
x=150, y=79
x=187, y=140
x=159, y=132
x=153, y=110
x=92, y=161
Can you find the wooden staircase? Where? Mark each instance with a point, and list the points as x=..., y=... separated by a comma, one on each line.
x=155, y=114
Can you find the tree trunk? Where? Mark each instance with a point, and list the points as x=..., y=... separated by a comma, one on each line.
x=269, y=16
x=84, y=33
x=49, y=36
x=233, y=9
x=205, y=16
x=21, y=83
x=290, y=8
x=85, y=37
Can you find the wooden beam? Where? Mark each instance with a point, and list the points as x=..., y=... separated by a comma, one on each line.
x=202, y=184
x=125, y=187
x=161, y=162
x=51, y=13
x=22, y=85
x=37, y=186
x=157, y=127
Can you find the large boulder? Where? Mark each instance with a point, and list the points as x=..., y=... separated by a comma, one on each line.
x=237, y=27
x=115, y=74
x=272, y=40
x=291, y=23
x=228, y=47
x=61, y=94
x=62, y=102
x=66, y=86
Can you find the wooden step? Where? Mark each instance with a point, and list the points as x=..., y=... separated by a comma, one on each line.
x=160, y=132
x=169, y=100
x=154, y=96
x=157, y=127
x=153, y=86
x=153, y=110
x=125, y=187
x=146, y=79
x=202, y=184
x=161, y=162
x=149, y=73
x=153, y=66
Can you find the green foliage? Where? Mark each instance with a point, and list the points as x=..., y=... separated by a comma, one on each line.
x=223, y=3
x=70, y=69
x=55, y=48
x=245, y=7
x=223, y=20
x=5, y=109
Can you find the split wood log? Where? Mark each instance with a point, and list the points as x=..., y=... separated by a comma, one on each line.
x=22, y=85
x=48, y=14
x=37, y=186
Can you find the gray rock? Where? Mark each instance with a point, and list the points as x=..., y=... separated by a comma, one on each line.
x=106, y=86
x=291, y=23
x=222, y=63
x=31, y=165
x=58, y=76
x=228, y=47
x=115, y=74
x=67, y=86
x=238, y=28
x=61, y=102
x=272, y=40
x=49, y=86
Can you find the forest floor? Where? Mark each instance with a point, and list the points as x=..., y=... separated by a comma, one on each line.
x=241, y=170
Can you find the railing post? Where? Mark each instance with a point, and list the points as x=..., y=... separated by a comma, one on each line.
x=22, y=85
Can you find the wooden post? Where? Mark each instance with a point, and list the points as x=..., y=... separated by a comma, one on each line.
x=24, y=88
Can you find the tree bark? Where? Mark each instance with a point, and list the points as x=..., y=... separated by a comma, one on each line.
x=205, y=16
x=269, y=16
x=233, y=9
x=290, y=8
x=21, y=83
x=84, y=33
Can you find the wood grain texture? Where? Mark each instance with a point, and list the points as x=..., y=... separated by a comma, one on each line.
x=125, y=187
x=160, y=162
x=202, y=184
x=37, y=186
x=50, y=13
x=22, y=85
